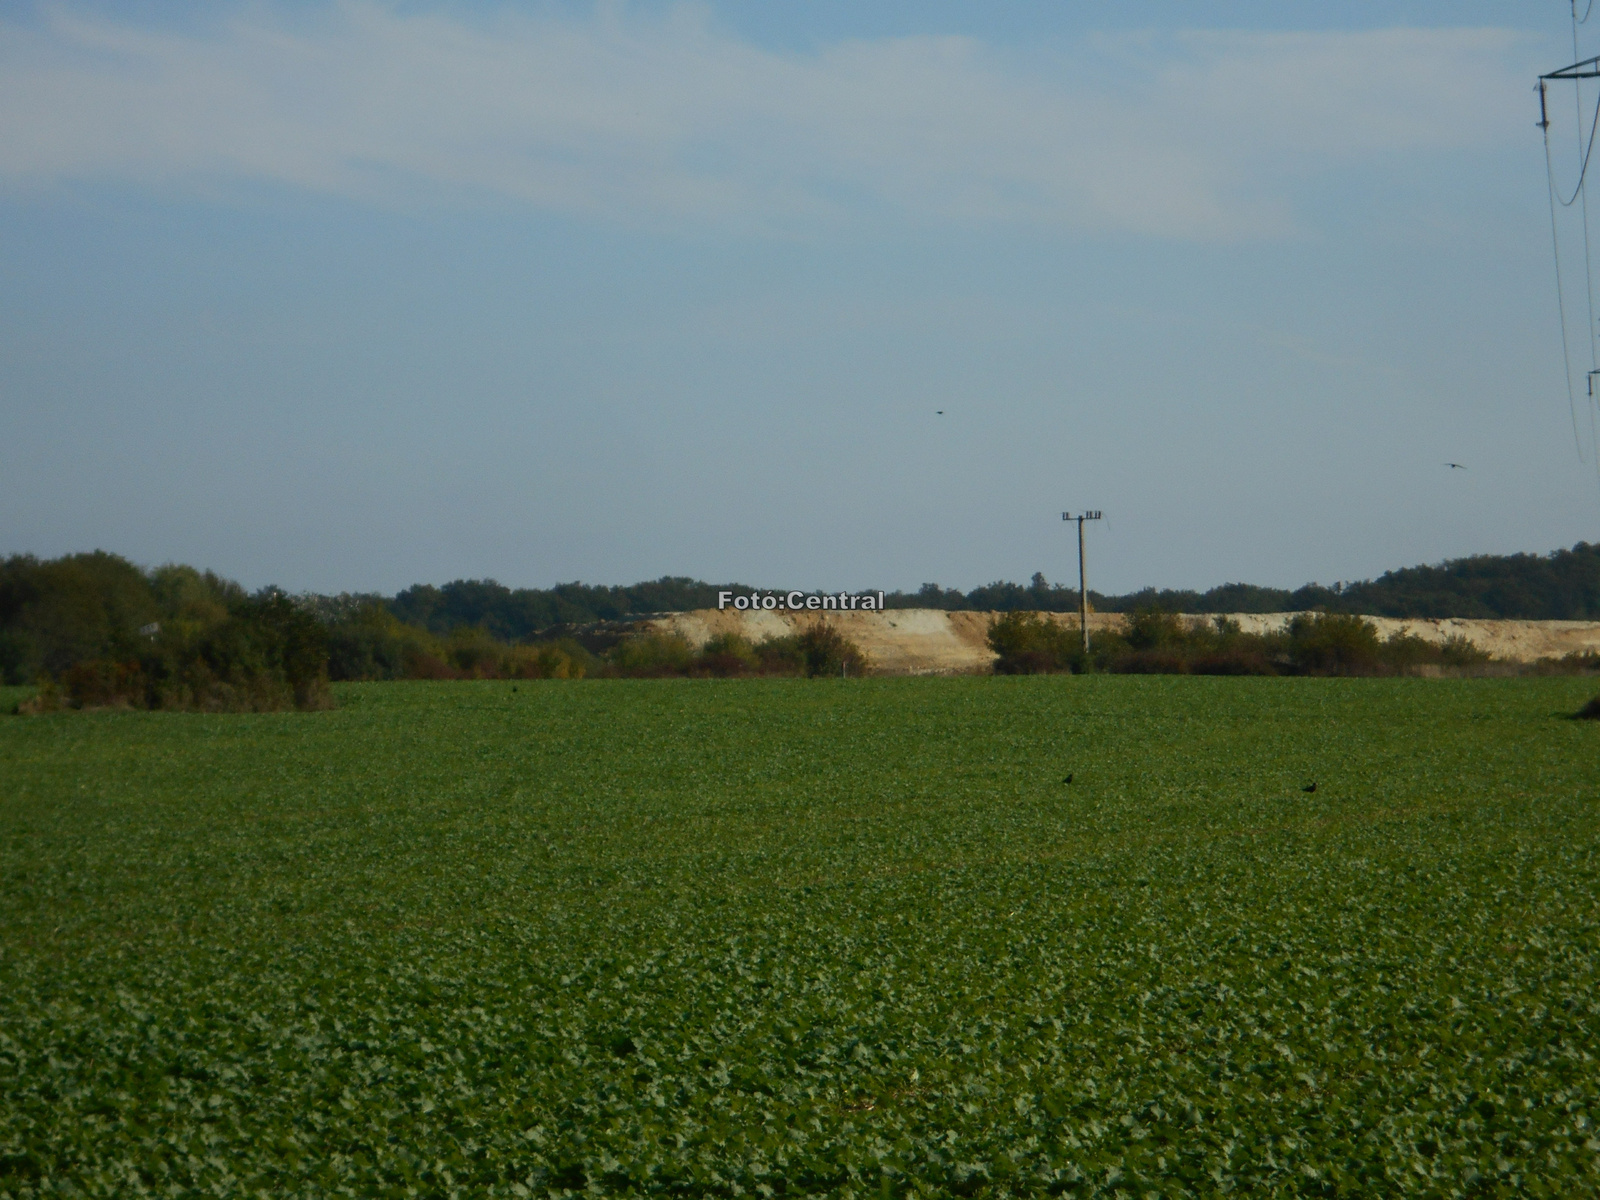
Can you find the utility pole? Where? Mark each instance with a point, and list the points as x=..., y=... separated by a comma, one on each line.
x=1088, y=514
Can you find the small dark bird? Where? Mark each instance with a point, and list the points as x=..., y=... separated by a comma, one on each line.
x=1068, y=779
x=939, y=412
x=1456, y=466
x=1310, y=787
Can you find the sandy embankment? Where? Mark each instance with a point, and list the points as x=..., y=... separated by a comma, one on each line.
x=930, y=641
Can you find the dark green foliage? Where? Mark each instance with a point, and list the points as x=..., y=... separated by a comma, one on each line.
x=658, y=938
x=262, y=654
x=729, y=655
x=652, y=655
x=372, y=644
x=817, y=650
x=1030, y=645
x=1038, y=596
x=1563, y=586
x=60, y=612
x=1155, y=642
x=1334, y=644
x=826, y=652
x=367, y=641
x=523, y=613
x=102, y=633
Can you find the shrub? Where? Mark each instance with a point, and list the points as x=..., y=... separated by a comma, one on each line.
x=369, y=642
x=1028, y=644
x=266, y=654
x=1457, y=651
x=818, y=650
x=551, y=660
x=1334, y=644
x=651, y=655
x=781, y=655
x=727, y=654
x=69, y=610
x=263, y=653
x=824, y=651
x=474, y=653
x=1154, y=629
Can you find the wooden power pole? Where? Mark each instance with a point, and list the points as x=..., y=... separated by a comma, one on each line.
x=1089, y=514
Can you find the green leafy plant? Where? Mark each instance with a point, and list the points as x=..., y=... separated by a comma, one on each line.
x=523, y=938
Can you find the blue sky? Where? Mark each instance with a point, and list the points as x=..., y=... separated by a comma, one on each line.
x=351, y=296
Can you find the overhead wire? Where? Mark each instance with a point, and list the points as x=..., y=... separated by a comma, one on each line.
x=1583, y=193
x=1561, y=300
x=1583, y=168
x=1589, y=274
x=1588, y=260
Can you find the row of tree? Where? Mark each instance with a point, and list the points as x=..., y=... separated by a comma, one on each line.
x=95, y=630
x=98, y=629
x=1563, y=586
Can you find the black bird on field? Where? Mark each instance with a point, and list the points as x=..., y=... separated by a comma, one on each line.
x=1310, y=787
x=1068, y=779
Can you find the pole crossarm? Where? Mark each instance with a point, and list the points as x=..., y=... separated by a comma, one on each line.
x=1589, y=68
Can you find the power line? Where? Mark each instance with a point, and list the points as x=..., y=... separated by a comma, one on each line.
x=1583, y=169
x=1583, y=191
x=1561, y=301
x=1588, y=68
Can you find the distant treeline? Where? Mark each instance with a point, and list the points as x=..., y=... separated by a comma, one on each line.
x=1563, y=586
x=518, y=613
x=94, y=629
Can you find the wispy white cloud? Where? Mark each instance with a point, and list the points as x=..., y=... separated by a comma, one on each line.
x=651, y=118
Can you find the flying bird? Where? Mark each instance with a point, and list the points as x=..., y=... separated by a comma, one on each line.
x=939, y=412
x=1456, y=466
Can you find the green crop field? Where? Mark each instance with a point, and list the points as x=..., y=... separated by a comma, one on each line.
x=748, y=938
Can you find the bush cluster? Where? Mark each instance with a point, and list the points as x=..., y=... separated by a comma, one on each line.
x=366, y=641
x=819, y=650
x=95, y=631
x=213, y=649
x=1157, y=642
